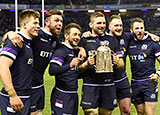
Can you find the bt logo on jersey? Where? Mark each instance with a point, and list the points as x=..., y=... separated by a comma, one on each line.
x=133, y=57
x=44, y=54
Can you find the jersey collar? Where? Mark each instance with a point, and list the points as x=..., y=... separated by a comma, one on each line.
x=27, y=37
x=67, y=45
x=107, y=33
x=47, y=32
x=145, y=37
x=94, y=35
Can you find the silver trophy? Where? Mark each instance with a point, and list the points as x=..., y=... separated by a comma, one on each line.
x=103, y=59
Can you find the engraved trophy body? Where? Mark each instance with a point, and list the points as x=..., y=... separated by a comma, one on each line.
x=103, y=59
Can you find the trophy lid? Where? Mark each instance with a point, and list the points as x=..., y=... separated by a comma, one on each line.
x=102, y=43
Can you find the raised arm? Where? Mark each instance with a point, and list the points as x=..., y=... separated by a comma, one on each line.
x=81, y=53
x=56, y=68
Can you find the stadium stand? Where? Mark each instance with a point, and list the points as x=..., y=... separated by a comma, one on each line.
x=82, y=2
x=151, y=17
x=6, y=22
x=152, y=22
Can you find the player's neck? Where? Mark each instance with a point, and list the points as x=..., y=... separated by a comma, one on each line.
x=111, y=34
x=94, y=34
x=24, y=31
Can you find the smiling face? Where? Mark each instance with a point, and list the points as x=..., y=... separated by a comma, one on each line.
x=73, y=37
x=98, y=25
x=54, y=24
x=32, y=26
x=29, y=22
x=116, y=27
x=138, y=30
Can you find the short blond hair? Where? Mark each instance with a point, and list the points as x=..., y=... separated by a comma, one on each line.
x=113, y=17
x=25, y=14
x=137, y=19
x=95, y=15
x=71, y=25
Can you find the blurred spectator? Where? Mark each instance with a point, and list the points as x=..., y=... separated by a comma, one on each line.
x=152, y=22
x=81, y=2
x=6, y=22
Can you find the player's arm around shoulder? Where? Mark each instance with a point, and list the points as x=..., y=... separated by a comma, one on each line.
x=153, y=37
x=14, y=37
x=87, y=34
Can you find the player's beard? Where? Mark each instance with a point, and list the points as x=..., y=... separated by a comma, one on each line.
x=114, y=33
x=73, y=43
x=55, y=31
x=99, y=31
x=139, y=35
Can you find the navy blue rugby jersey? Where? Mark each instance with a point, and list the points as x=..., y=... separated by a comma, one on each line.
x=43, y=47
x=142, y=54
x=66, y=80
x=22, y=65
x=91, y=44
x=123, y=42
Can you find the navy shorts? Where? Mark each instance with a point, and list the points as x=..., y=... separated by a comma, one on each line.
x=99, y=96
x=37, y=99
x=144, y=91
x=7, y=110
x=123, y=88
x=63, y=103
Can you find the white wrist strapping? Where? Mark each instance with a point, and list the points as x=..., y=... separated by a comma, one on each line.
x=158, y=73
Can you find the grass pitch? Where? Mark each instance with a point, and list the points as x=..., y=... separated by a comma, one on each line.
x=49, y=82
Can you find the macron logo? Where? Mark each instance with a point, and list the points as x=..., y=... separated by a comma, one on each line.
x=43, y=40
x=132, y=46
x=91, y=41
x=71, y=55
x=27, y=46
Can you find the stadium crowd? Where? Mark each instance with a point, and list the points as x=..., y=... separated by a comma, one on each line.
x=103, y=86
x=152, y=22
x=102, y=90
x=82, y=2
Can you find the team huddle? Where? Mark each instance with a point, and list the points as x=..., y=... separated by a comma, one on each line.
x=26, y=54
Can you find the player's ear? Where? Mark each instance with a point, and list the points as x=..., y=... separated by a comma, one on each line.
x=90, y=24
x=24, y=25
x=47, y=22
x=109, y=27
x=131, y=30
x=66, y=36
